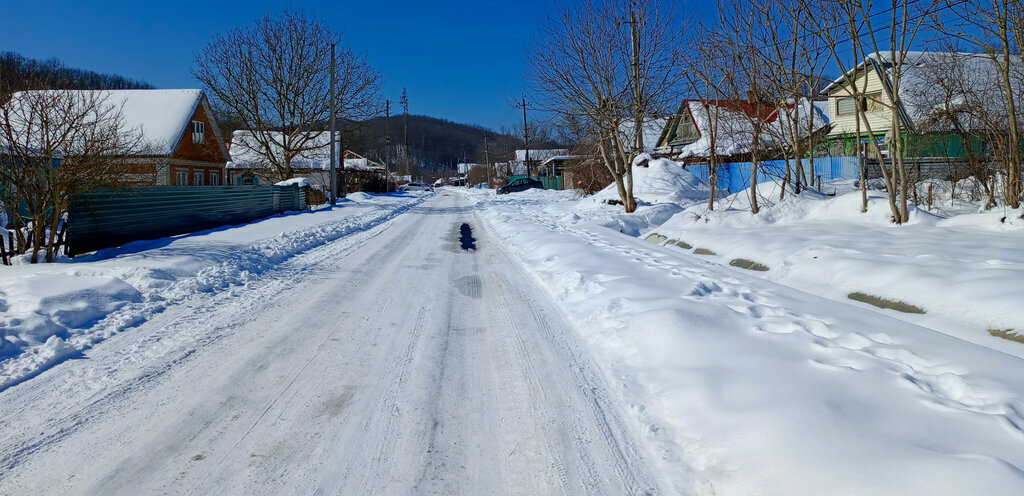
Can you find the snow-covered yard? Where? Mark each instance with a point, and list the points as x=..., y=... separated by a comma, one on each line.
x=775, y=382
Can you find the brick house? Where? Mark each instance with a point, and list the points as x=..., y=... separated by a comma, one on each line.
x=181, y=143
x=185, y=145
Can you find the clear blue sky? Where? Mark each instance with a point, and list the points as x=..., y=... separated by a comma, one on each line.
x=458, y=58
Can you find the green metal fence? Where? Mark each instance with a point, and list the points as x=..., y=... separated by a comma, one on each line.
x=547, y=181
x=104, y=218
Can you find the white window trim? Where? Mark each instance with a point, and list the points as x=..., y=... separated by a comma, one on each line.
x=197, y=178
x=198, y=132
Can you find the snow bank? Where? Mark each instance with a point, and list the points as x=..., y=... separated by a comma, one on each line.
x=662, y=189
x=49, y=312
x=662, y=181
x=964, y=270
x=743, y=386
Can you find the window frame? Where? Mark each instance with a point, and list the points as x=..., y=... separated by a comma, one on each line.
x=198, y=132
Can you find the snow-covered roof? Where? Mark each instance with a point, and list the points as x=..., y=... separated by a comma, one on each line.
x=301, y=181
x=557, y=157
x=540, y=154
x=935, y=82
x=735, y=130
x=652, y=129
x=161, y=116
x=246, y=153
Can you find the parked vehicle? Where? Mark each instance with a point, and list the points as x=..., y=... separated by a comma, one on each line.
x=415, y=187
x=521, y=184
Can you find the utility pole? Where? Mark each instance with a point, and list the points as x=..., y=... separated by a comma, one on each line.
x=405, y=124
x=487, y=160
x=387, y=144
x=638, y=104
x=334, y=111
x=526, y=138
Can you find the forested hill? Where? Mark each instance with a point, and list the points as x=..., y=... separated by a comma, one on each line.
x=19, y=73
x=435, y=144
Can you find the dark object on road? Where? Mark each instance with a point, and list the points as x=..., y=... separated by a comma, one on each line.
x=521, y=184
x=466, y=238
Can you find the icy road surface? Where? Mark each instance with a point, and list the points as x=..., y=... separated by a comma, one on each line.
x=388, y=362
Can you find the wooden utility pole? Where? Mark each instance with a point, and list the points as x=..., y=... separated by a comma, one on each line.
x=405, y=124
x=638, y=93
x=526, y=138
x=387, y=144
x=334, y=112
x=487, y=160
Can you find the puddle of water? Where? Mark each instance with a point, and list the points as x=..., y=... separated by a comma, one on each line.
x=466, y=239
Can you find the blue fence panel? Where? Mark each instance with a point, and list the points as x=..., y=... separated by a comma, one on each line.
x=735, y=176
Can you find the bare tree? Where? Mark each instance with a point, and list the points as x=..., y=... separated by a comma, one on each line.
x=746, y=72
x=706, y=80
x=797, y=58
x=996, y=28
x=845, y=32
x=884, y=49
x=607, y=62
x=274, y=76
x=53, y=145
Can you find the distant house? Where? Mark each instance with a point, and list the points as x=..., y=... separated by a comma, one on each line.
x=537, y=157
x=249, y=165
x=688, y=132
x=935, y=87
x=181, y=144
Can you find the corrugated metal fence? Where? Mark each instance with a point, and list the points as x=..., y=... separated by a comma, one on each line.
x=735, y=176
x=107, y=217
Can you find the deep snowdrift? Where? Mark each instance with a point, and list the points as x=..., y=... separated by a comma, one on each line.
x=662, y=189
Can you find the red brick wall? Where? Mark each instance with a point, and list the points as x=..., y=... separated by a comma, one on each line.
x=210, y=151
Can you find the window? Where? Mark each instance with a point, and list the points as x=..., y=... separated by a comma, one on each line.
x=874, y=102
x=197, y=178
x=845, y=106
x=182, y=178
x=248, y=179
x=214, y=179
x=198, y=132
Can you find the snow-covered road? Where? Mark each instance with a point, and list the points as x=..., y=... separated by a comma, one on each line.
x=390, y=361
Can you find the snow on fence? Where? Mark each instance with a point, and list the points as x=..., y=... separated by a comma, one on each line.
x=735, y=176
x=104, y=218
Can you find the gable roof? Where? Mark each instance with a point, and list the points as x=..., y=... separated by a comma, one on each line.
x=735, y=131
x=919, y=95
x=161, y=116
